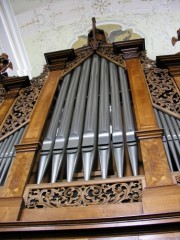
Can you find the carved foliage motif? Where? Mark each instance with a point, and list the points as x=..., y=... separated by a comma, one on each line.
x=80, y=57
x=2, y=93
x=107, y=52
x=85, y=195
x=163, y=92
x=24, y=104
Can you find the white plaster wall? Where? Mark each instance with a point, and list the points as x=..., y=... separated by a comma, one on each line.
x=47, y=25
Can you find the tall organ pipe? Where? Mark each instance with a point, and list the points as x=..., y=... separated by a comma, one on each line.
x=89, y=143
x=164, y=141
x=104, y=119
x=63, y=132
x=49, y=140
x=75, y=136
x=117, y=130
x=9, y=153
x=129, y=122
x=170, y=140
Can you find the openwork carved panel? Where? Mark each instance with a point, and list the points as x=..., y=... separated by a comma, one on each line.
x=163, y=92
x=24, y=105
x=107, y=52
x=85, y=195
x=81, y=56
x=2, y=93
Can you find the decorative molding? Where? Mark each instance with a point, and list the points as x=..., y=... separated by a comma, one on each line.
x=151, y=133
x=164, y=93
x=130, y=49
x=85, y=195
x=108, y=53
x=81, y=55
x=177, y=179
x=23, y=107
x=2, y=93
x=57, y=60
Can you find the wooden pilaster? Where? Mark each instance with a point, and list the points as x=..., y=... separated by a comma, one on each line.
x=30, y=145
x=156, y=167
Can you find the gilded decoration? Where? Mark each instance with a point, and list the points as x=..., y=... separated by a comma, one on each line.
x=73, y=196
x=25, y=102
x=163, y=91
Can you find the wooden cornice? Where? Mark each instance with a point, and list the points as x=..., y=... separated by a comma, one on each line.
x=129, y=49
x=11, y=83
x=168, y=61
x=57, y=60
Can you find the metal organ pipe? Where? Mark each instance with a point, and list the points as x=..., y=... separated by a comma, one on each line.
x=129, y=122
x=8, y=152
x=104, y=119
x=171, y=139
x=63, y=131
x=87, y=120
x=117, y=128
x=75, y=136
x=49, y=140
x=89, y=143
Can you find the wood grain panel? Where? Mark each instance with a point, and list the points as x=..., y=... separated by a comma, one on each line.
x=156, y=167
x=77, y=213
x=39, y=116
x=157, y=172
x=161, y=199
x=145, y=117
x=9, y=209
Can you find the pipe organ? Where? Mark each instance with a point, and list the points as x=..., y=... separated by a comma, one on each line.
x=84, y=149
x=92, y=119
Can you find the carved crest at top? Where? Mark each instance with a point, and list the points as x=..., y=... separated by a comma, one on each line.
x=5, y=63
x=96, y=37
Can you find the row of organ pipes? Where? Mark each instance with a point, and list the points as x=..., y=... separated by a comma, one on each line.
x=8, y=152
x=93, y=113
x=88, y=118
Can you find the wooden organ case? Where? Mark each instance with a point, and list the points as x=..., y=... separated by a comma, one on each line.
x=91, y=148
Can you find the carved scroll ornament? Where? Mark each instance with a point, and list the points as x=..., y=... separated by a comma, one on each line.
x=25, y=102
x=85, y=195
x=107, y=52
x=163, y=91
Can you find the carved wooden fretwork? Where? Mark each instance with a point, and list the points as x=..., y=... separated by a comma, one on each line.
x=163, y=91
x=81, y=56
x=2, y=93
x=25, y=102
x=97, y=194
x=107, y=52
x=146, y=63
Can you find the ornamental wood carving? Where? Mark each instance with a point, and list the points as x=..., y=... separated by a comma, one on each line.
x=164, y=94
x=99, y=194
x=107, y=52
x=81, y=56
x=25, y=102
x=2, y=93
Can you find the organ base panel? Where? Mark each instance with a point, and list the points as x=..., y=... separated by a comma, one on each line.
x=94, y=151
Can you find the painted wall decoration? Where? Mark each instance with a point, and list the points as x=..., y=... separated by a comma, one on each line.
x=51, y=25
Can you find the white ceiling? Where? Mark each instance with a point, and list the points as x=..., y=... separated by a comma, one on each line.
x=39, y=26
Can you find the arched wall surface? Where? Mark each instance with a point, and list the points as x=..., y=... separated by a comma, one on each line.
x=51, y=25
